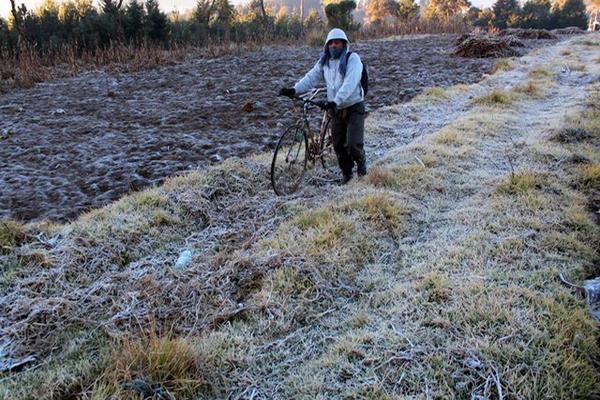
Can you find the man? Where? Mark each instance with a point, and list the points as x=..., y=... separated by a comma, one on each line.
x=345, y=100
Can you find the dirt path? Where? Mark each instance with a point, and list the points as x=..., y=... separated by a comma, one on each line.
x=83, y=142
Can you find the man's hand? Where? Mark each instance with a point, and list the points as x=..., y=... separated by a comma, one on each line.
x=327, y=105
x=289, y=92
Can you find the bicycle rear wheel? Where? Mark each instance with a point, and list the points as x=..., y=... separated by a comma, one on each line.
x=289, y=161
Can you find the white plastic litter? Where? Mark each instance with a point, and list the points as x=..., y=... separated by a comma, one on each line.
x=184, y=259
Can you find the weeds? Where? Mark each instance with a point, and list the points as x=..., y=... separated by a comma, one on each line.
x=152, y=364
x=503, y=64
x=494, y=98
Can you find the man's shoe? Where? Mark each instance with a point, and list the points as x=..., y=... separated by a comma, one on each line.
x=346, y=178
x=361, y=169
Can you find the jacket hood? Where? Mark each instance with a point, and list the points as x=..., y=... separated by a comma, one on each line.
x=337, y=33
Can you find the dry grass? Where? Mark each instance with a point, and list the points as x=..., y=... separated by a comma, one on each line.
x=529, y=88
x=539, y=72
x=412, y=27
x=590, y=176
x=449, y=137
x=573, y=66
x=315, y=37
x=413, y=178
x=12, y=233
x=587, y=42
x=152, y=363
x=504, y=64
x=435, y=287
x=519, y=183
x=496, y=97
x=33, y=67
x=432, y=94
x=528, y=33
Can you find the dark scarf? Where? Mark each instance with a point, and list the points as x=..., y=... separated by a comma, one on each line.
x=343, y=59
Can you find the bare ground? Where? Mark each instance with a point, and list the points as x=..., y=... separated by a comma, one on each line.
x=79, y=143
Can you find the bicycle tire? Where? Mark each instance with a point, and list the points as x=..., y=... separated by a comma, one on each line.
x=327, y=155
x=289, y=160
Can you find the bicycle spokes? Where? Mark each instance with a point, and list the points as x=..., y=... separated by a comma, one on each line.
x=289, y=161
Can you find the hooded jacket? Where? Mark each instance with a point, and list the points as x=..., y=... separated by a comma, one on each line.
x=344, y=90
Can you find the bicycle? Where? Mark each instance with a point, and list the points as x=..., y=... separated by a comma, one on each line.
x=299, y=145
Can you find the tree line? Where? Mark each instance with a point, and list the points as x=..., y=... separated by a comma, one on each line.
x=538, y=14
x=503, y=14
x=79, y=24
x=82, y=26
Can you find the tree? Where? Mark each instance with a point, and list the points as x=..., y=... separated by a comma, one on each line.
x=5, y=36
x=47, y=32
x=222, y=18
x=536, y=14
x=18, y=16
x=377, y=11
x=201, y=16
x=156, y=24
x=313, y=20
x=445, y=10
x=339, y=15
x=480, y=18
x=134, y=21
x=505, y=11
x=473, y=14
x=111, y=6
x=84, y=8
x=569, y=13
x=111, y=20
x=407, y=9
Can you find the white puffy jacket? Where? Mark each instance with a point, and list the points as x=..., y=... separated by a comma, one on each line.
x=345, y=91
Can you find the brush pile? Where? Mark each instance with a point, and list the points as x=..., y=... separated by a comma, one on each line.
x=569, y=30
x=485, y=46
x=528, y=33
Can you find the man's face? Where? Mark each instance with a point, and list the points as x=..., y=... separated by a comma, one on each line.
x=336, y=44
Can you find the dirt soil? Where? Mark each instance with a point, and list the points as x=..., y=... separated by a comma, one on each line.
x=74, y=144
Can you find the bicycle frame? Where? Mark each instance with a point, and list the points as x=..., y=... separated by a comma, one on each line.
x=289, y=161
x=314, y=141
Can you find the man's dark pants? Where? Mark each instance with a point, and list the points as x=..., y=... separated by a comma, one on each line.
x=348, y=129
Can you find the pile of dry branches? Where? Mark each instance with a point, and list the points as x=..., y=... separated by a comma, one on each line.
x=569, y=30
x=484, y=46
x=528, y=33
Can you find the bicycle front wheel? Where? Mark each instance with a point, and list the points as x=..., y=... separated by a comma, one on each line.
x=327, y=154
x=289, y=161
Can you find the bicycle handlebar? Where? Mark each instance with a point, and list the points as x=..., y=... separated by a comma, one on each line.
x=314, y=103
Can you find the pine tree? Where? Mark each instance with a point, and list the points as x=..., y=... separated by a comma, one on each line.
x=536, y=14
x=505, y=11
x=445, y=10
x=222, y=18
x=134, y=21
x=156, y=24
x=339, y=15
x=569, y=13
